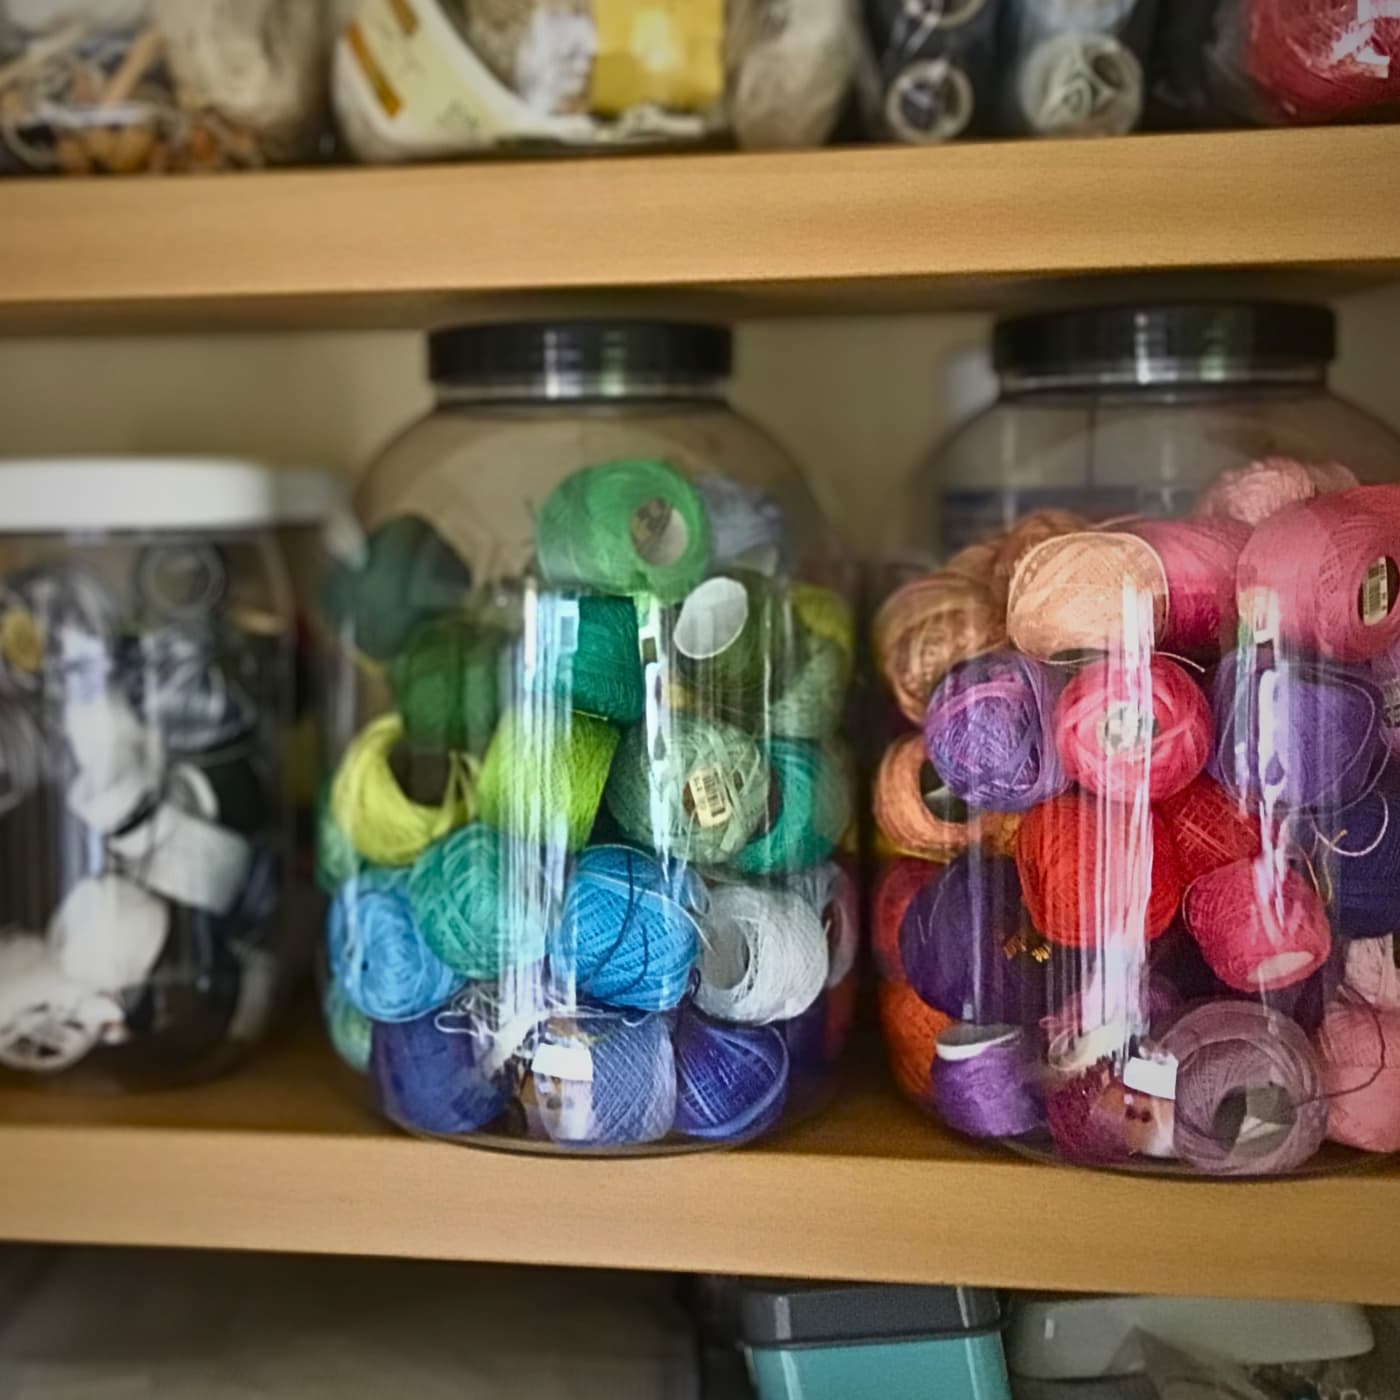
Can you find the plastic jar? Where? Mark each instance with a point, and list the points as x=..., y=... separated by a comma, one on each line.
x=585, y=831
x=145, y=686
x=1138, y=809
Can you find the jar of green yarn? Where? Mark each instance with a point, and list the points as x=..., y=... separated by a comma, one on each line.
x=583, y=823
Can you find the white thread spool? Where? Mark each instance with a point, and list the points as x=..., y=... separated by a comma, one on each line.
x=179, y=851
x=109, y=933
x=763, y=955
x=48, y=1021
x=119, y=761
x=1078, y=84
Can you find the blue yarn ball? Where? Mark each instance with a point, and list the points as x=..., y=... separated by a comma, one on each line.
x=1361, y=858
x=731, y=1081
x=805, y=1038
x=631, y=1097
x=628, y=933
x=377, y=955
x=428, y=1080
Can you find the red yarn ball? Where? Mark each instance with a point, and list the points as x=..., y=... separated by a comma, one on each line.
x=1081, y=864
x=899, y=881
x=1209, y=828
x=1199, y=558
x=1258, y=929
x=1122, y=730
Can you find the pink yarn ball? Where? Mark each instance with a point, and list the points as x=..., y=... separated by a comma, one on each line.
x=1359, y=1047
x=1122, y=729
x=1253, y=493
x=1372, y=972
x=1199, y=558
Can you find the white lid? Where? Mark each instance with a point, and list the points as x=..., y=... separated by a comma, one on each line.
x=307, y=497
x=41, y=495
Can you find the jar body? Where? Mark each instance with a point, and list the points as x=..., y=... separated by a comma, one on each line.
x=586, y=835
x=145, y=688
x=1136, y=899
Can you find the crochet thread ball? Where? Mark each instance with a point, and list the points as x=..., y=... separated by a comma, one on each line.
x=810, y=787
x=1251, y=494
x=749, y=527
x=899, y=881
x=1126, y=730
x=1236, y=1059
x=1199, y=558
x=731, y=1081
x=975, y=562
x=1359, y=1047
x=381, y=822
x=825, y=615
x=696, y=793
x=986, y=1083
x=429, y=1080
x=587, y=656
x=1373, y=972
x=1258, y=928
x=1296, y=733
x=813, y=695
x=446, y=685
x=733, y=635
x=628, y=527
x=1208, y=828
x=349, y=1030
x=629, y=933
x=987, y=732
x=911, y=1029
x=543, y=778
x=1095, y=875
x=925, y=628
x=1359, y=851
x=336, y=860
x=1086, y=591
x=1385, y=671
x=1028, y=532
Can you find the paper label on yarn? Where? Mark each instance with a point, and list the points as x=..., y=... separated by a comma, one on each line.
x=1259, y=621
x=1125, y=727
x=1154, y=1075
x=1375, y=592
x=571, y=1060
x=566, y=627
x=708, y=798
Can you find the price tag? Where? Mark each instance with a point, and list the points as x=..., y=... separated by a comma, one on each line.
x=1154, y=1075
x=571, y=1060
x=1375, y=592
x=708, y=798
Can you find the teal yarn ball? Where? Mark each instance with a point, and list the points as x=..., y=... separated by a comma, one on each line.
x=410, y=574
x=349, y=1029
x=813, y=696
x=698, y=796
x=624, y=527
x=336, y=860
x=604, y=678
x=447, y=685
x=812, y=796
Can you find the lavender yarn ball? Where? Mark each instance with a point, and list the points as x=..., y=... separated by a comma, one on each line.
x=968, y=948
x=429, y=1080
x=988, y=732
x=1307, y=734
x=731, y=1081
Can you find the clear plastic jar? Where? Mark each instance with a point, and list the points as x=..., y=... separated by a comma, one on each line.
x=584, y=834
x=1140, y=820
x=145, y=688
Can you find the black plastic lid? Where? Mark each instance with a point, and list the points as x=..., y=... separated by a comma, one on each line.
x=521, y=352
x=1203, y=340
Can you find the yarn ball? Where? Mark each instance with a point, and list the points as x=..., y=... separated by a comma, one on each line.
x=1086, y=591
x=1124, y=730
x=925, y=628
x=1251, y=494
x=1029, y=531
x=336, y=860
x=1258, y=927
x=986, y=1083
x=1094, y=875
x=987, y=732
x=588, y=656
x=731, y=1081
x=614, y=1087
x=749, y=528
x=1239, y=1061
x=975, y=562
x=810, y=798
x=733, y=635
x=1359, y=1047
x=349, y=1030
x=1208, y=828
x=899, y=881
x=429, y=1080
x=911, y=1029
x=1096, y=1120
x=1199, y=559
x=825, y=615
x=967, y=949
x=812, y=693
x=628, y=935
x=447, y=685
x=1359, y=854
x=1385, y=671
x=544, y=774
x=1373, y=971
x=698, y=796
x=1323, y=575
x=377, y=955
x=627, y=527
x=1300, y=733
x=410, y=574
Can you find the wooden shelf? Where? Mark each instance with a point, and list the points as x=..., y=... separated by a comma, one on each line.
x=867, y=228
x=281, y=1157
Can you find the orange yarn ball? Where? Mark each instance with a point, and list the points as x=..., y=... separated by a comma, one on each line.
x=976, y=562
x=1359, y=1047
x=1252, y=494
x=1028, y=532
x=925, y=628
x=912, y=1028
x=899, y=881
x=1083, y=865
x=1208, y=829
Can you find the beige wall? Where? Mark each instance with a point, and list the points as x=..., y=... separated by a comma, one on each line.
x=857, y=400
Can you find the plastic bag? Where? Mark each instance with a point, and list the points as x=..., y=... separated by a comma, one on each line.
x=417, y=79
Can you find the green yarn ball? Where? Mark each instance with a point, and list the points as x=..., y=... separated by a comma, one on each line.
x=447, y=685
x=336, y=861
x=603, y=677
x=811, y=788
x=813, y=695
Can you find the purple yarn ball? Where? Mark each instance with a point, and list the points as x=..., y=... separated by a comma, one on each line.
x=1301, y=733
x=968, y=948
x=1360, y=851
x=731, y=1081
x=988, y=732
x=428, y=1080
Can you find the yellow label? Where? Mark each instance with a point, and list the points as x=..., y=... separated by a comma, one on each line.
x=664, y=52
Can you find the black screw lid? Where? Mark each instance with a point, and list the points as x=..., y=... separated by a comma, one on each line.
x=522, y=351
x=1238, y=336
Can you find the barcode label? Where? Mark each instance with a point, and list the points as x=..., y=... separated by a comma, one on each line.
x=566, y=627
x=1375, y=593
x=570, y=1060
x=708, y=799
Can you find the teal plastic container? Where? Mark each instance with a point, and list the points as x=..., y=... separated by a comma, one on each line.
x=838, y=1341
